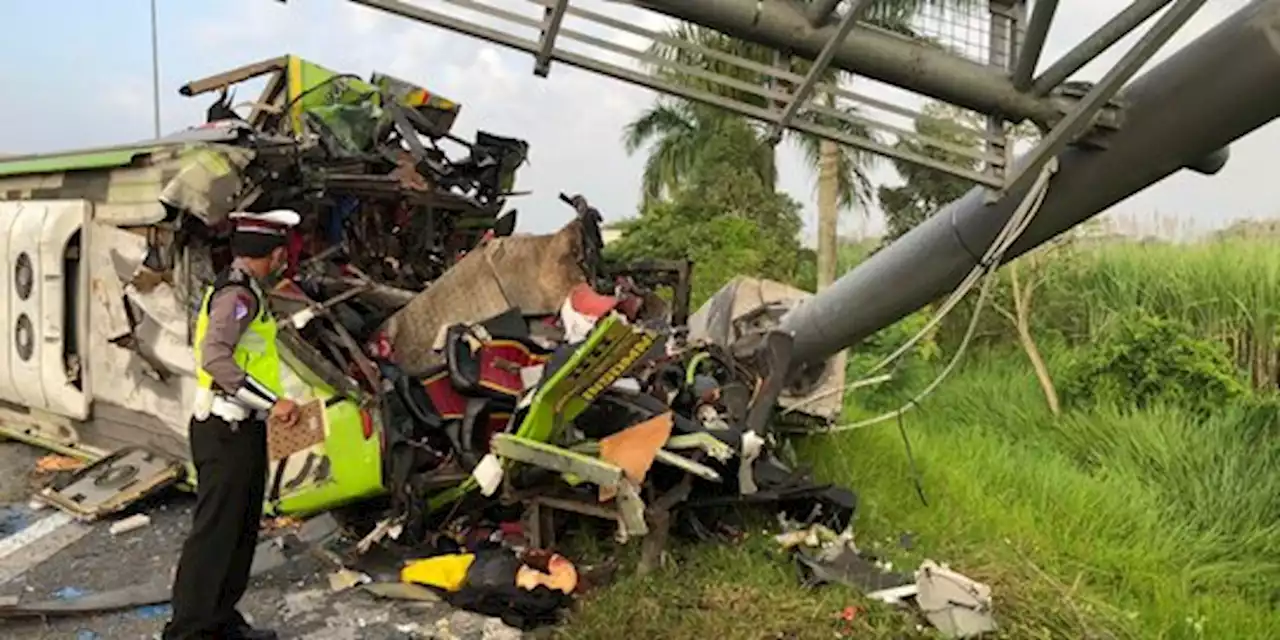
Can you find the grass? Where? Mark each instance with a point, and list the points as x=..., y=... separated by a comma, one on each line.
x=1104, y=523
x=1136, y=525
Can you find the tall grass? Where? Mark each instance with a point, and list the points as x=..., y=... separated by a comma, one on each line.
x=1107, y=523
x=1227, y=290
x=1110, y=522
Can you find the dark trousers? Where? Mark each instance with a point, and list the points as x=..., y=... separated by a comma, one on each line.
x=213, y=572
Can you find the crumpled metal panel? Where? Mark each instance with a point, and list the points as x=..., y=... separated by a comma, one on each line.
x=125, y=373
x=749, y=305
x=208, y=182
x=113, y=483
x=532, y=273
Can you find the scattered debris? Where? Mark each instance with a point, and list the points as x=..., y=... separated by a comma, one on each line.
x=466, y=391
x=135, y=521
x=69, y=593
x=956, y=605
x=401, y=591
x=54, y=463
x=344, y=579
x=13, y=518
x=113, y=483
x=154, y=612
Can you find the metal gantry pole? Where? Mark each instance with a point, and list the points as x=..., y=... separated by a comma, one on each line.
x=1029, y=52
x=657, y=83
x=1081, y=116
x=801, y=95
x=1003, y=23
x=1181, y=113
x=553, y=17
x=1097, y=42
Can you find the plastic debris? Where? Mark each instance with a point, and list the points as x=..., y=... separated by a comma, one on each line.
x=154, y=612
x=956, y=605
x=69, y=593
x=54, y=463
x=132, y=523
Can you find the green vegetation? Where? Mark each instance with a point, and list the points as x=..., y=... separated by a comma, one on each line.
x=1107, y=457
x=1110, y=520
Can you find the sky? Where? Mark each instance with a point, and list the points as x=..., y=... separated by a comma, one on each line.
x=79, y=75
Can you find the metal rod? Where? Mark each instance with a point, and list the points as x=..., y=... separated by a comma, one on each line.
x=820, y=10
x=155, y=69
x=1033, y=45
x=554, y=15
x=1081, y=116
x=1097, y=42
x=820, y=65
x=1001, y=38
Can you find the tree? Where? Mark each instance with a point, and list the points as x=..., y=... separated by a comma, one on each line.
x=679, y=131
x=1022, y=295
x=673, y=126
x=676, y=130
x=727, y=221
x=925, y=190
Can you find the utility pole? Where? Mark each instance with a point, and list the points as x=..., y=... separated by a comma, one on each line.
x=155, y=70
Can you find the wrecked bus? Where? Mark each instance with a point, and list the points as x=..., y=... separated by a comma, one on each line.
x=108, y=250
x=439, y=356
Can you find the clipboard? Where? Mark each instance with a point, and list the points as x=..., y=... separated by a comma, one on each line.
x=307, y=432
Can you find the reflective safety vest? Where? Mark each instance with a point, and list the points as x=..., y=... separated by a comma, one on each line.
x=256, y=354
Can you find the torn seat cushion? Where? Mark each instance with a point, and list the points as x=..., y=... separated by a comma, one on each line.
x=445, y=400
x=491, y=369
x=483, y=418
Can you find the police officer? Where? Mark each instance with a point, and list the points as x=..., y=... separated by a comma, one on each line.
x=238, y=385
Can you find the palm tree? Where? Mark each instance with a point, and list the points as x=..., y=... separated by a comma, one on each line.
x=680, y=132
x=677, y=128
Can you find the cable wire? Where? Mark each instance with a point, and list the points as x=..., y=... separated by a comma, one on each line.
x=983, y=272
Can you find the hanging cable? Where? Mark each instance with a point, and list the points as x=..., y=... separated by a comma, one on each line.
x=982, y=272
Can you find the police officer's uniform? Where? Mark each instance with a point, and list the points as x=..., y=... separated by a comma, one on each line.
x=238, y=380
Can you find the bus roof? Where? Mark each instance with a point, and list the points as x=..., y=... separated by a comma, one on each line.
x=103, y=158
x=114, y=157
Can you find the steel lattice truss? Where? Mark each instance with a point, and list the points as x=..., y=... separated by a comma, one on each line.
x=979, y=58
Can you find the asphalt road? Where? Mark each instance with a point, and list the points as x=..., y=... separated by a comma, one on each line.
x=44, y=555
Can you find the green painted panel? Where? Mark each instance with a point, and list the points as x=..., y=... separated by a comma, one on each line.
x=74, y=161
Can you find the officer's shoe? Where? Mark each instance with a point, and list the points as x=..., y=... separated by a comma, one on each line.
x=246, y=632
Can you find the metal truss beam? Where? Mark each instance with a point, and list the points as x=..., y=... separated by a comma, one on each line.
x=1097, y=42
x=1079, y=118
x=869, y=52
x=1033, y=44
x=819, y=67
x=655, y=82
x=553, y=16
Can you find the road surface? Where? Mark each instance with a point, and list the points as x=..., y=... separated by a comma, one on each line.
x=44, y=554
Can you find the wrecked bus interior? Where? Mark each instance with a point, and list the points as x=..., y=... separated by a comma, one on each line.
x=440, y=358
